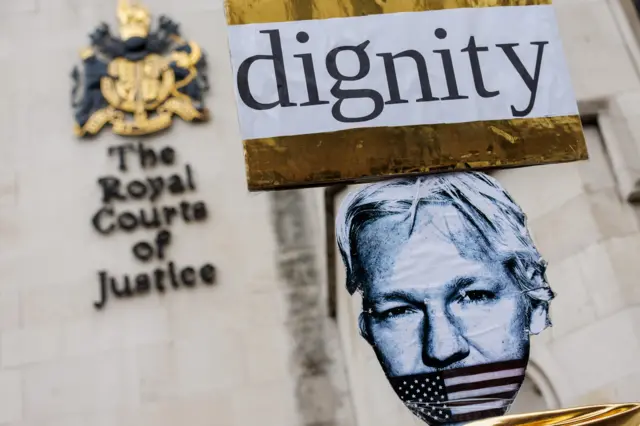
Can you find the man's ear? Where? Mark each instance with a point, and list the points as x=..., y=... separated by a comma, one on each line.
x=539, y=318
x=364, y=329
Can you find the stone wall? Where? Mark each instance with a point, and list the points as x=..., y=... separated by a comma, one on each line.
x=205, y=356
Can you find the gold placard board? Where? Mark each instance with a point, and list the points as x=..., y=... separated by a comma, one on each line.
x=335, y=91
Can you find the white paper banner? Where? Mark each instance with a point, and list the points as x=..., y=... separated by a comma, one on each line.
x=401, y=69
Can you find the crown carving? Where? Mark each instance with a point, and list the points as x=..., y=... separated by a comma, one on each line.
x=135, y=19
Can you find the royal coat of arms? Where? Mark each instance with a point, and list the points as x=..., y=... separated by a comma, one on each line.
x=138, y=81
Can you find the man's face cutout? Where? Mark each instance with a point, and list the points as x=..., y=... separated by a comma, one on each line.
x=448, y=305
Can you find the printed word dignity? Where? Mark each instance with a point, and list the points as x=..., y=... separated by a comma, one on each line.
x=449, y=66
x=530, y=78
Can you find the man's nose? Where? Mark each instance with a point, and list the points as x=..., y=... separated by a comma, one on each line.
x=443, y=342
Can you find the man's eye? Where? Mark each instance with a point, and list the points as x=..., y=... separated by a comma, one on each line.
x=394, y=312
x=477, y=296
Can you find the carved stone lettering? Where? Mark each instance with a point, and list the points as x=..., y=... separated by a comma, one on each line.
x=114, y=216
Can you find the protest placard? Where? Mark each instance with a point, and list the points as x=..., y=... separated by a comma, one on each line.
x=344, y=91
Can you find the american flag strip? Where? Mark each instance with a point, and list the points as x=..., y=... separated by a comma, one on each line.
x=462, y=394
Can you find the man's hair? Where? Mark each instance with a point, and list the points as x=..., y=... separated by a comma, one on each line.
x=494, y=225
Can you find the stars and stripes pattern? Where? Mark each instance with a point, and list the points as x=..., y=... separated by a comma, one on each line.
x=462, y=394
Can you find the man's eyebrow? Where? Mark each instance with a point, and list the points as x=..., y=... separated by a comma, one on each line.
x=460, y=283
x=394, y=295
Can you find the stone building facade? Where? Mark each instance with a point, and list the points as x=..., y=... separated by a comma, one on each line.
x=208, y=355
x=273, y=341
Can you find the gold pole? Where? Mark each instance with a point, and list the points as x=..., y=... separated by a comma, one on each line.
x=597, y=415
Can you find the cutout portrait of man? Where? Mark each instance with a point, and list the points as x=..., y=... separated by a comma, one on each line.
x=452, y=288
